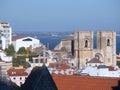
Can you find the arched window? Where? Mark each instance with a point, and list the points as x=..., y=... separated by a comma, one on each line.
x=86, y=43
x=108, y=42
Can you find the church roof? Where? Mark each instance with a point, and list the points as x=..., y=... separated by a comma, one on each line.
x=39, y=79
x=94, y=60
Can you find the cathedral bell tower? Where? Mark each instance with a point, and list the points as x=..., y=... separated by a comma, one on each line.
x=106, y=41
x=83, y=47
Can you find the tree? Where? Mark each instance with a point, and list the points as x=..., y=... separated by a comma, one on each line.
x=10, y=51
x=22, y=50
x=20, y=61
x=15, y=62
x=31, y=55
x=118, y=63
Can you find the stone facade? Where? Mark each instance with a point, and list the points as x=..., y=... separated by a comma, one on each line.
x=105, y=50
x=66, y=45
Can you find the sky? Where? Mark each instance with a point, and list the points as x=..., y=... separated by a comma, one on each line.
x=61, y=15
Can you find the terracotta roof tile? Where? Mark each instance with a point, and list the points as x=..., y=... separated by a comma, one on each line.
x=16, y=38
x=59, y=65
x=17, y=72
x=65, y=82
x=118, y=57
x=111, y=68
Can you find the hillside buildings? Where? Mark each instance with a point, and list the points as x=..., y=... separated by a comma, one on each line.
x=5, y=35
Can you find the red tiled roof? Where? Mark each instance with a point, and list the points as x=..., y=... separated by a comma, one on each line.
x=59, y=65
x=118, y=57
x=17, y=72
x=65, y=82
x=16, y=38
x=111, y=68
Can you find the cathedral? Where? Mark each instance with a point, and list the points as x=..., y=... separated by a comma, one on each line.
x=104, y=53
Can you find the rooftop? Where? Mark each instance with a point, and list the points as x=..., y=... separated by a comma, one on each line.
x=16, y=38
x=69, y=38
x=17, y=72
x=59, y=65
x=94, y=60
x=65, y=82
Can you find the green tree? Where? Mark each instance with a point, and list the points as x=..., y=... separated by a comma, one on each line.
x=15, y=62
x=20, y=61
x=31, y=55
x=22, y=50
x=118, y=63
x=10, y=51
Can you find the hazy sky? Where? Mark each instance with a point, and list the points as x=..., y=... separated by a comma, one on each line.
x=61, y=15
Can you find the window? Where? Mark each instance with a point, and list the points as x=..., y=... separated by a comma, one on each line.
x=28, y=39
x=14, y=78
x=108, y=42
x=20, y=83
x=86, y=43
x=20, y=78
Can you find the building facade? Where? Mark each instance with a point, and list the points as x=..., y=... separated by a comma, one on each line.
x=27, y=42
x=5, y=35
x=85, y=51
x=66, y=44
x=17, y=76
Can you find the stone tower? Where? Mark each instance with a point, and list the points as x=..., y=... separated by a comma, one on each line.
x=83, y=47
x=106, y=42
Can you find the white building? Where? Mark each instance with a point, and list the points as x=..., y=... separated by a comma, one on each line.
x=46, y=57
x=101, y=71
x=5, y=35
x=27, y=42
x=4, y=57
x=17, y=76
